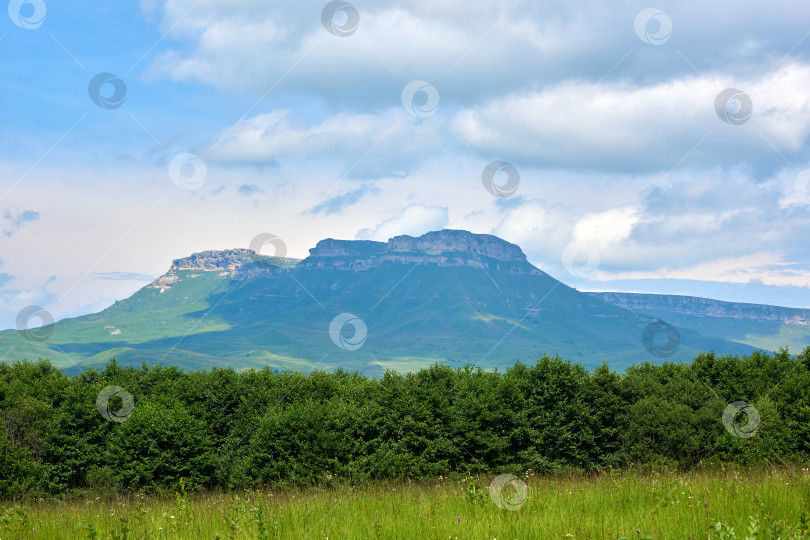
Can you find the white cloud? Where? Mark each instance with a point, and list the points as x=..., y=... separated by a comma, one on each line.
x=415, y=220
x=386, y=144
x=794, y=185
x=643, y=127
x=604, y=230
x=471, y=50
x=769, y=268
x=611, y=126
x=541, y=231
x=729, y=219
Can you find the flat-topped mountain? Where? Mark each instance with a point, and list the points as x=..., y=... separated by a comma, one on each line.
x=444, y=248
x=446, y=296
x=433, y=243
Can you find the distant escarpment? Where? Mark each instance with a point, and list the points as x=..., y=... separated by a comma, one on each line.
x=706, y=307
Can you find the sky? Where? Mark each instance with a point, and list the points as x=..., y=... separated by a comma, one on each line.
x=632, y=146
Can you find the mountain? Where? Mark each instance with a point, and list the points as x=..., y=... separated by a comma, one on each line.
x=447, y=296
x=763, y=326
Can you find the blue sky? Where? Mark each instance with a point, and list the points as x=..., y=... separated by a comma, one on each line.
x=631, y=178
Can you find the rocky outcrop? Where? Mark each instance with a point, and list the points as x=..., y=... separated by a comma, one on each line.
x=450, y=241
x=211, y=261
x=347, y=248
x=164, y=282
x=706, y=307
x=231, y=263
x=442, y=248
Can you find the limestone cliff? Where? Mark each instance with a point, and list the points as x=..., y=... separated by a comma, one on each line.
x=706, y=307
x=443, y=248
x=231, y=263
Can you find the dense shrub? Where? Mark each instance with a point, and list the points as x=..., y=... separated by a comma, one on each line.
x=224, y=428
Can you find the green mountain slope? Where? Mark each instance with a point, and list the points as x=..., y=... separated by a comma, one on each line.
x=448, y=296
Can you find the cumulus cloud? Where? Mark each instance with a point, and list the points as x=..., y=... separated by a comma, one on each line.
x=604, y=230
x=619, y=126
x=540, y=230
x=415, y=220
x=361, y=145
x=248, y=45
x=724, y=226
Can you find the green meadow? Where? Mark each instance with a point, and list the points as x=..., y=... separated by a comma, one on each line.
x=727, y=502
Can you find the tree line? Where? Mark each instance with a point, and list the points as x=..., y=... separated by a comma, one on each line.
x=144, y=429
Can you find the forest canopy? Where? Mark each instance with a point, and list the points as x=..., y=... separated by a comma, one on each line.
x=143, y=429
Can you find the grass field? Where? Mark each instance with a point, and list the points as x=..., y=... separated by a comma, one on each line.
x=762, y=504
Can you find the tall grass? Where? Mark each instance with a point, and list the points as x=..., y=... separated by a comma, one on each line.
x=721, y=503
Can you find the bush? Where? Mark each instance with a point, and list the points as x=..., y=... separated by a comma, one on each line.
x=223, y=428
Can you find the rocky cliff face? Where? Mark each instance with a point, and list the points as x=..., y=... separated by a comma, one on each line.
x=231, y=263
x=450, y=241
x=210, y=261
x=443, y=248
x=706, y=307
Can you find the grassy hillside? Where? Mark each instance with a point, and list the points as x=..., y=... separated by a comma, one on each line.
x=415, y=315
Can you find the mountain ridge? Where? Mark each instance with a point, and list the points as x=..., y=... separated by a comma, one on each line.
x=761, y=325
x=696, y=305
x=446, y=296
x=445, y=248
x=448, y=247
